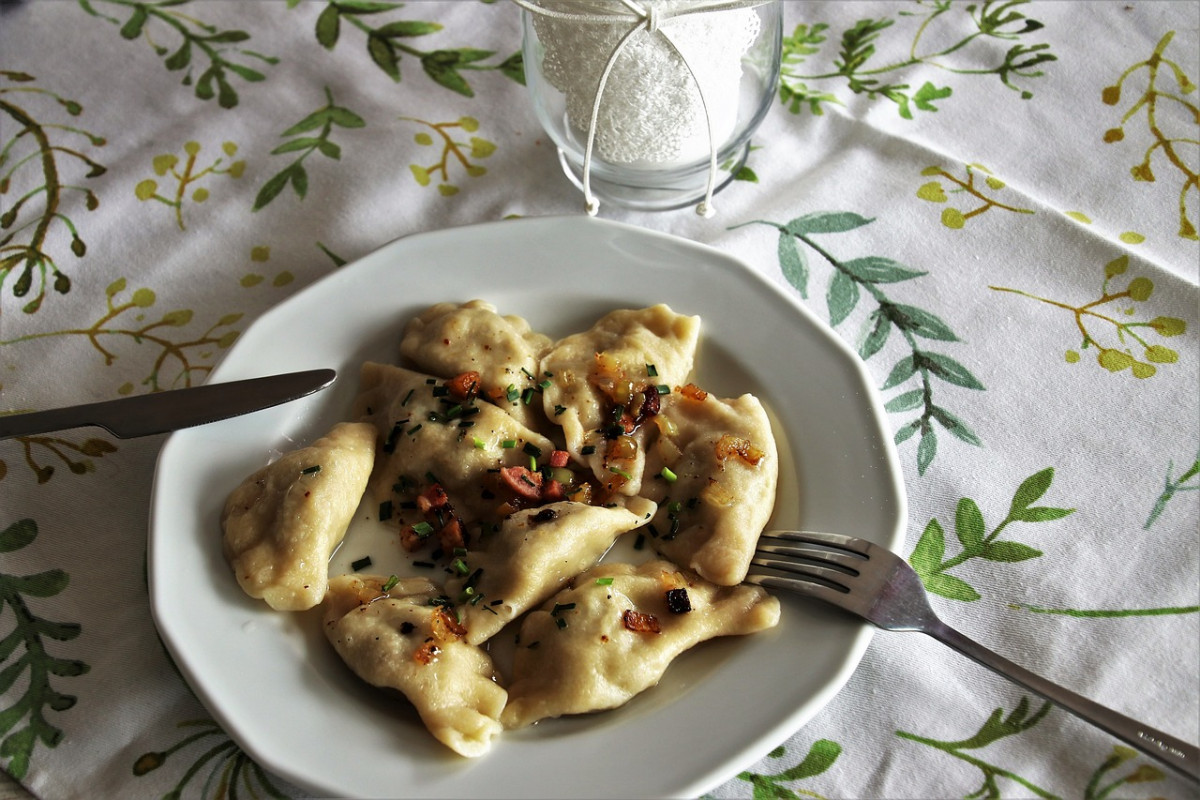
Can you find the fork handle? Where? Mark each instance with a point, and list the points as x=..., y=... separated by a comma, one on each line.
x=1172, y=751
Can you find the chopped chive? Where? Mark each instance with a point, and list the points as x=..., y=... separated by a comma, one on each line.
x=511, y=393
x=663, y=388
x=390, y=583
x=532, y=449
x=423, y=530
x=639, y=542
x=467, y=423
x=385, y=510
x=587, y=449
x=621, y=472
x=509, y=444
x=459, y=566
x=651, y=371
x=561, y=607
x=360, y=564
x=528, y=374
x=561, y=623
x=425, y=564
x=315, y=468
x=548, y=373
x=407, y=397
x=473, y=578
x=440, y=391
x=545, y=384
x=527, y=396
x=668, y=475
x=606, y=581
x=480, y=444
x=559, y=409
x=414, y=429
x=533, y=467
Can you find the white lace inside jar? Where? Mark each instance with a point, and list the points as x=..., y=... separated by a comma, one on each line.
x=654, y=100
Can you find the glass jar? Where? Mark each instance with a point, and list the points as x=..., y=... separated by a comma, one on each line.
x=665, y=101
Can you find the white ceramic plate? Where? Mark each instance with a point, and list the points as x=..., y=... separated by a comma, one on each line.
x=276, y=686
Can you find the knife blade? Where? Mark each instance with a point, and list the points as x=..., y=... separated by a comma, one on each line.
x=159, y=412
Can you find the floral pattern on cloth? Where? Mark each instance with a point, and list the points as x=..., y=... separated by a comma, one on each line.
x=995, y=204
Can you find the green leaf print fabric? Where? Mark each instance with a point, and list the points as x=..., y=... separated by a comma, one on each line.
x=994, y=204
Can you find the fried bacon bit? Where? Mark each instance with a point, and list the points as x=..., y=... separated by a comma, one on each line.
x=560, y=458
x=444, y=628
x=526, y=483
x=693, y=392
x=729, y=446
x=427, y=653
x=640, y=622
x=464, y=386
x=441, y=517
x=678, y=601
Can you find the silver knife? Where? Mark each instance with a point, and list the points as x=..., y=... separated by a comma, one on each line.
x=160, y=412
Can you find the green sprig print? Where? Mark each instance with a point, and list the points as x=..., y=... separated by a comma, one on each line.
x=929, y=560
x=388, y=42
x=28, y=146
x=853, y=278
x=997, y=727
x=167, y=165
x=820, y=757
x=76, y=457
x=1172, y=486
x=1120, y=357
x=228, y=766
x=953, y=217
x=1153, y=101
x=858, y=63
x=23, y=653
x=197, y=39
x=452, y=151
x=323, y=120
x=124, y=320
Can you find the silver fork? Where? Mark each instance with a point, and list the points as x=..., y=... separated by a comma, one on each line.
x=879, y=586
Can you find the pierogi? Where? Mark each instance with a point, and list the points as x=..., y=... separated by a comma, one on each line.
x=531, y=556
x=507, y=465
x=625, y=355
x=424, y=433
x=613, y=633
x=449, y=339
x=399, y=637
x=283, y=522
x=724, y=468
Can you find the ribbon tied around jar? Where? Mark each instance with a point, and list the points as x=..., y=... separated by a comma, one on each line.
x=650, y=81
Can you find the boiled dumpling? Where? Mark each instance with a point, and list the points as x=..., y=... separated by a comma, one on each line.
x=448, y=340
x=283, y=522
x=624, y=356
x=428, y=436
x=402, y=638
x=724, y=468
x=615, y=631
x=532, y=555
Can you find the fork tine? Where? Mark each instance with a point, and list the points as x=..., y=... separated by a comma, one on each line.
x=819, y=591
x=837, y=540
x=829, y=575
x=850, y=563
